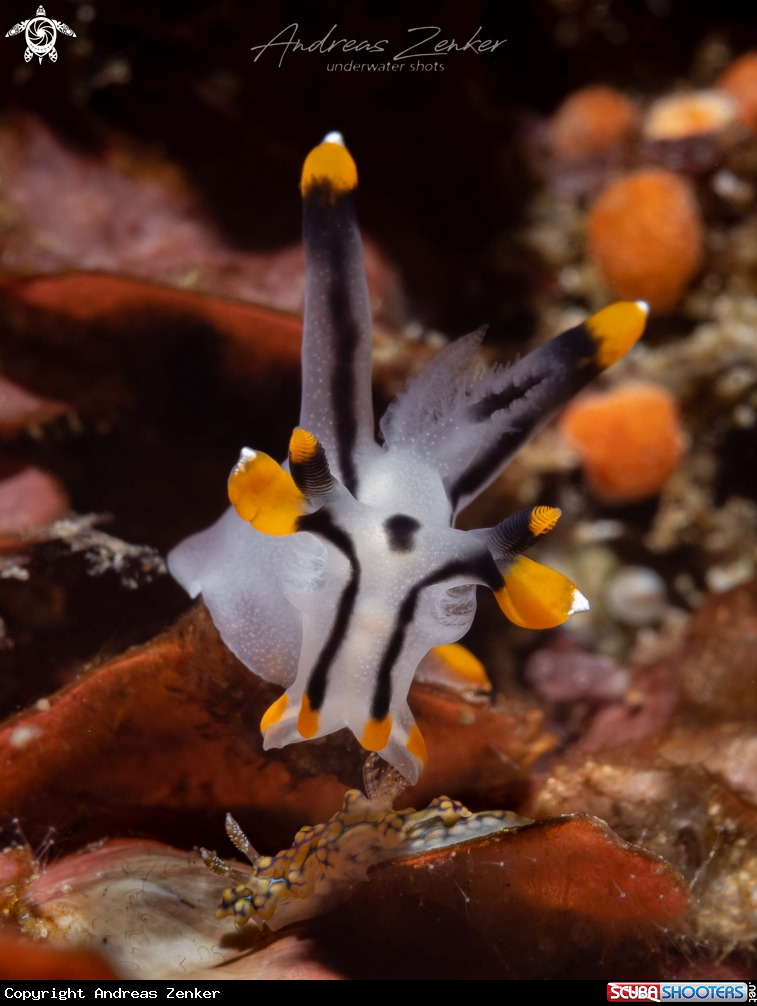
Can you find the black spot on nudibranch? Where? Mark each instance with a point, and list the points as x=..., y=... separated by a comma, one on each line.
x=400, y=530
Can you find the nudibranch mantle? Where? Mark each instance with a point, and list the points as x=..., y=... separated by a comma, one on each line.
x=335, y=573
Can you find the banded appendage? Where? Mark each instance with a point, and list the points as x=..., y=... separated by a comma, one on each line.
x=469, y=423
x=326, y=860
x=337, y=402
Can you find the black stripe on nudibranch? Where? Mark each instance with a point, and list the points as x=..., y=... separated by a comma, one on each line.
x=482, y=568
x=484, y=409
x=321, y=523
x=328, y=228
x=542, y=382
x=400, y=531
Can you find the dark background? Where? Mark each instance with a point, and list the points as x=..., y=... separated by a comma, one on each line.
x=442, y=183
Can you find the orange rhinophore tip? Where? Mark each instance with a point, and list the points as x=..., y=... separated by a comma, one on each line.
x=630, y=440
x=416, y=744
x=543, y=519
x=537, y=597
x=616, y=328
x=302, y=446
x=307, y=721
x=329, y=165
x=274, y=712
x=376, y=734
x=264, y=494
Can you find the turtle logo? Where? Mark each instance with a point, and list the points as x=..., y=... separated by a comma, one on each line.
x=41, y=32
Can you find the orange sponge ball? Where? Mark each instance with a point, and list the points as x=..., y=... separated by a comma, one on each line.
x=629, y=440
x=740, y=81
x=590, y=121
x=645, y=234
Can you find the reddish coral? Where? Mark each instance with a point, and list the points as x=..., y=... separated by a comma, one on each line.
x=629, y=440
x=30, y=498
x=167, y=736
x=557, y=898
x=645, y=234
x=133, y=214
x=254, y=336
x=253, y=339
x=716, y=665
x=740, y=81
x=592, y=121
x=24, y=958
x=19, y=408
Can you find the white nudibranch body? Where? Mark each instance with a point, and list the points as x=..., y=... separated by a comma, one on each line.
x=336, y=577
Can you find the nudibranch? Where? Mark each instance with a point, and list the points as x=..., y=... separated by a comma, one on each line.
x=335, y=573
x=326, y=861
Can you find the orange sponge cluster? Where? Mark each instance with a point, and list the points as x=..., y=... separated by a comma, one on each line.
x=591, y=121
x=629, y=440
x=740, y=81
x=645, y=233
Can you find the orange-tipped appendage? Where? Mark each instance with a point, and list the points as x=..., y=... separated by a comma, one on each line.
x=376, y=734
x=630, y=440
x=538, y=597
x=264, y=494
x=740, y=81
x=329, y=166
x=307, y=721
x=616, y=328
x=463, y=662
x=302, y=446
x=416, y=744
x=591, y=121
x=645, y=234
x=274, y=712
x=543, y=519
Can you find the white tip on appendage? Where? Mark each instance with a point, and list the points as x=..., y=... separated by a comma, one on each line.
x=246, y=453
x=334, y=138
x=643, y=305
x=580, y=603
